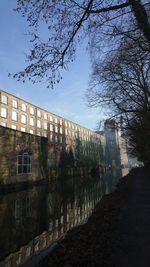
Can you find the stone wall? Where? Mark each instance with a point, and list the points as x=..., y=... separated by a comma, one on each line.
x=11, y=143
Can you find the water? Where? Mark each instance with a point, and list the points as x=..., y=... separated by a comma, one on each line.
x=33, y=219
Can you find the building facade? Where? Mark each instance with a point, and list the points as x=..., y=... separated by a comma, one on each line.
x=116, y=151
x=40, y=131
x=22, y=116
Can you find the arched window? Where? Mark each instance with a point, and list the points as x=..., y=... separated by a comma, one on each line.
x=24, y=162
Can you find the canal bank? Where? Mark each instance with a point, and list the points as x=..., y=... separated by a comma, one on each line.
x=41, y=215
x=92, y=244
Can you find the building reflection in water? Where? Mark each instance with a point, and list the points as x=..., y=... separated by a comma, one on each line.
x=33, y=219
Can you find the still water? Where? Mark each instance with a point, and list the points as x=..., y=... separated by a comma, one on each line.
x=31, y=220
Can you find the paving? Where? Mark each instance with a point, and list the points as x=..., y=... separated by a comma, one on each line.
x=132, y=248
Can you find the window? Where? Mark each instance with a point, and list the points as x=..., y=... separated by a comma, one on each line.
x=14, y=127
x=38, y=124
x=3, y=124
x=56, y=129
x=4, y=99
x=56, y=120
x=45, y=126
x=23, y=119
x=45, y=116
x=31, y=131
x=23, y=129
x=24, y=108
x=51, y=127
x=51, y=136
x=60, y=122
x=14, y=103
x=61, y=130
x=66, y=132
x=31, y=121
x=39, y=113
x=24, y=162
x=45, y=134
x=3, y=112
x=56, y=138
x=60, y=139
x=51, y=118
x=31, y=110
x=14, y=115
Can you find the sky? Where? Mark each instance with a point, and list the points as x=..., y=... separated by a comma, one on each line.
x=67, y=97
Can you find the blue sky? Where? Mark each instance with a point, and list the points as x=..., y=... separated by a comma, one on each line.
x=66, y=99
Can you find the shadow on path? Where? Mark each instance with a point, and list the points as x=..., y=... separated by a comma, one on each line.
x=132, y=248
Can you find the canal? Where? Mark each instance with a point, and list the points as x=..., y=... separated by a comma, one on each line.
x=33, y=219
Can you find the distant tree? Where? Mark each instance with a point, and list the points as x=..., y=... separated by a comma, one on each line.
x=70, y=21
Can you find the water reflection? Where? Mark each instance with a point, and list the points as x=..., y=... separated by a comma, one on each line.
x=31, y=220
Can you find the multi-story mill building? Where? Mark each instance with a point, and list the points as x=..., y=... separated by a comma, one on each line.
x=20, y=115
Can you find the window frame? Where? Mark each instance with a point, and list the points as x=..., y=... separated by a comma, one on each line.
x=61, y=130
x=23, y=129
x=51, y=127
x=14, y=127
x=22, y=120
x=45, y=125
x=24, y=162
x=45, y=116
x=1, y=112
x=4, y=124
x=2, y=99
x=39, y=113
x=14, y=103
x=39, y=124
x=14, y=115
x=24, y=107
x=31, y=121
x=56, y=129
x=31, y=110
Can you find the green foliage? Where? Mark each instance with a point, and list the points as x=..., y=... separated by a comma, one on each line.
x=66, y=158
x=139, y=133
x=88, y=152
x=70, y=158
x=44, y=155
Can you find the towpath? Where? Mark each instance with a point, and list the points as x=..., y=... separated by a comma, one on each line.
x=116, y=235
x=133, y=248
